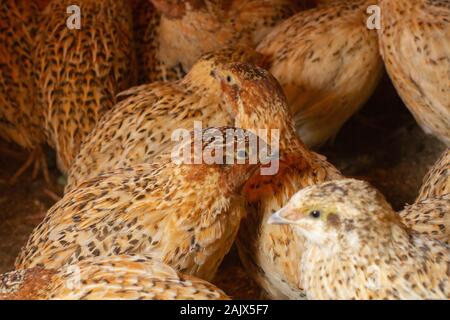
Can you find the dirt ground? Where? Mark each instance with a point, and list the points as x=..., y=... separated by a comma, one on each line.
x=381, y=144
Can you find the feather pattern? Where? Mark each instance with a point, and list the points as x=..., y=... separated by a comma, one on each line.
x=174, y=212
x=418, y=60
x=430, y=213
x=140, y=127
x=20, y=120
x=125, y=277
x=80, y=71
x=268, y=252
x=185, y=30
x=327, y=61
x=358, y=248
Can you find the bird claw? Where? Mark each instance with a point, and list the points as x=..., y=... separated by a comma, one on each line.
x=36, y=159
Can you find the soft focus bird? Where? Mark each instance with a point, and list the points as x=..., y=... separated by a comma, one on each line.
x=79, y=71
x=430, y=214
x=146, y=20
x=20, y=120
x=270, y=253
x=184, y=209
x=357, y=247
x=141, y=126
x=328, y=63
x=124, y=277
x=185, y=30
x=417, y=59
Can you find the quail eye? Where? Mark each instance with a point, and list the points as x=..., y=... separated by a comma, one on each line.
x=315, y=214
x=229, y=79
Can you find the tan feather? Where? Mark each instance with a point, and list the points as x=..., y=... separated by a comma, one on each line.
x=417, y=59
x=327, y=61
x=269, y=253
x=186, y=215
x=140, y=127
x=117, y=277
x=357, y=247
x=80, y=71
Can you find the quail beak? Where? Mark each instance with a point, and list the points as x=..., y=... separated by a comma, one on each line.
x=277, y=218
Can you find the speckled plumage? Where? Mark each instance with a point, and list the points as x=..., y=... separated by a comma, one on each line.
x=127, y=277
x=146, y=23
x=437, y=181
x=20, y=119
x=430, y=214
x=328, y=63
x=80, y=71
x=357, y=248
x=140, y=127
x=269, y=253
x=417, y=59
x=186, y=215
x=188, y=29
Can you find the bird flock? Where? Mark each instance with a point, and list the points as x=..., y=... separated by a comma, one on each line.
x=133, y=223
